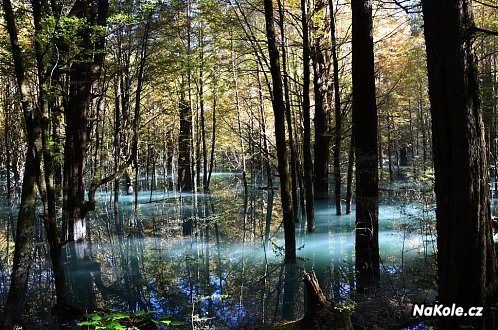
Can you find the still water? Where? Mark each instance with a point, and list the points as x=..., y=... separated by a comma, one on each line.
x=215, y=261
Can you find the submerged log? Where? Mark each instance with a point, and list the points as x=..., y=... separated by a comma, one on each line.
x=321, y=313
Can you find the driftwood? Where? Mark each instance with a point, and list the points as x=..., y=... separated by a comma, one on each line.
x=321, y=313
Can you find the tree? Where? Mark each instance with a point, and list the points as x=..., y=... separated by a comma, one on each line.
x=466, y=256
x=322, y=135
x=85, y=70
x=282, y=157
x=35, y=133
x=337, y=113
x=308, y=163
x=365, y=139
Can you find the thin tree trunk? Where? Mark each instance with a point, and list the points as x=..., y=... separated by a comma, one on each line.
x=239, y=110
x=349, y=179
x=213, y=139
x=6, y=130
x=337, y=113
x=205, y=184
x=308, y=163
x=321, y=120
x=288, y=115
x=267, y=161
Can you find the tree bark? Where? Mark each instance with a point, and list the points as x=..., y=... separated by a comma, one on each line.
x=288, y=115
x=321, y=120
x=85, y=70
x=279, y=114
x=349, y=179
x=184, y=147
x=308, y=162
x=337, y=114
x=23, y=252
x=466, y=256
x=365, y=138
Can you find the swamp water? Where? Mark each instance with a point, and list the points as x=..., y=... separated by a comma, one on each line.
x=215, y=261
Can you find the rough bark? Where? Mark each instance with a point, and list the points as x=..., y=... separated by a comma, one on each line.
x=365, y=138
x=282, y=157
x=85, y=70
x=466, y=256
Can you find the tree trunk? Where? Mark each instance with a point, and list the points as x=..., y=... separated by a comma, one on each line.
x=239, y=124
x=288, y=115
x=337, y=114
x=23, y=252
x=365, y=138
x=279, y=114
x=322, y=137
x=349, y=179
x=266, y=161
x=308, y=163
x=466, y=256
x=205, y=184
x=184, y=147
x=213, y=138
x=85, y=70
x=7, y=137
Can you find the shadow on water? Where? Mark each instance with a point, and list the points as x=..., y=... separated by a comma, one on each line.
x=216, y=259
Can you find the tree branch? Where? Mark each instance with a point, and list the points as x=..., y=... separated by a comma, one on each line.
x=485, y=31
x=486, y=4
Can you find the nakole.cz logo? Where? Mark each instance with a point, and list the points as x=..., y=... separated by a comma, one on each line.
x=438, y=310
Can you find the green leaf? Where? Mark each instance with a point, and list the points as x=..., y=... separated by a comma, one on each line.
x=88, y=323
x=115, y=325
x=142, y=313
x=118, y=316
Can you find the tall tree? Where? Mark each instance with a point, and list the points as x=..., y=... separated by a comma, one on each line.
x=337, y=113
x=365, y=139
x=466, y=256
x=308, y=162
x=23, y=253
x=321, y=120
x=85, y=70
x=282, y=157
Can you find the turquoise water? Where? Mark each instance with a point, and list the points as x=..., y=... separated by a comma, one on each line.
x=203, y=260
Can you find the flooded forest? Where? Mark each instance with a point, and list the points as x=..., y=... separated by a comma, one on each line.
x=248, y=164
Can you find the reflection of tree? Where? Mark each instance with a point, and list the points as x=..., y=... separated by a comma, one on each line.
x=291, y=286
x=79, y=269
x=133, y=272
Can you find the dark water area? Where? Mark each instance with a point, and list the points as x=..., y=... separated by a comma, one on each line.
x=215, y=261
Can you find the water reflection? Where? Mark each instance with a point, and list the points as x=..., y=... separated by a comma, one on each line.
x=215, y=259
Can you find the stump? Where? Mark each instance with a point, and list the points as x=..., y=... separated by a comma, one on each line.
x=321, y=313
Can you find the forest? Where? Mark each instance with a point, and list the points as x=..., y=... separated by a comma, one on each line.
x=248, y=164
